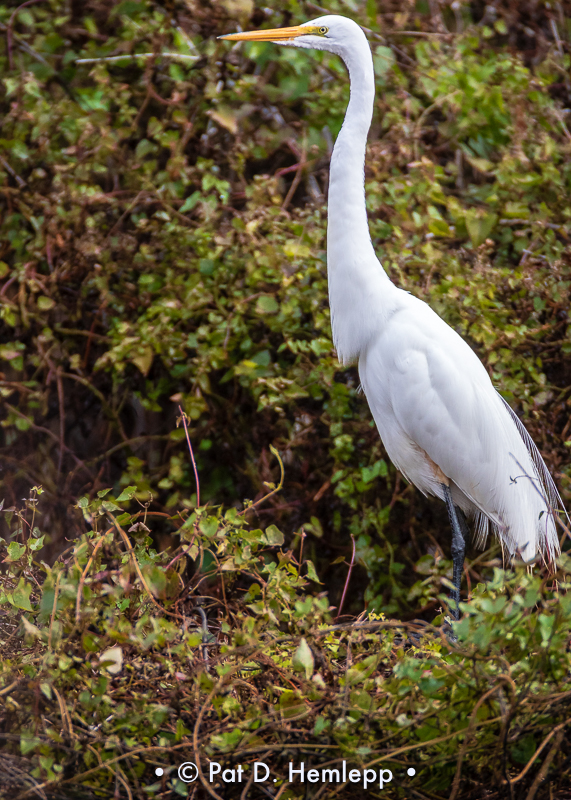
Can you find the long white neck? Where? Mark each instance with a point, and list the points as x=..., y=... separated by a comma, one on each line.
x=358, y=285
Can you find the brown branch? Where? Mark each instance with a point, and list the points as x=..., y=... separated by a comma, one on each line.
x=65, y=718
x=276, y=489
x=9, y=29
x=544, y=743
x=54, y=609
x=129, y=208
x=541, y=775
x=468, y=736
x=183, y=418
x=135, y=563
x=84, y=575
x=61, y=402
x=347, y=580
x=296, y=180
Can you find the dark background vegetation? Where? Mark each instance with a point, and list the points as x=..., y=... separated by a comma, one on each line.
x=162, y=243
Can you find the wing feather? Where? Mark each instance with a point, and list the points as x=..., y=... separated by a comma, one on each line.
x=432, y=397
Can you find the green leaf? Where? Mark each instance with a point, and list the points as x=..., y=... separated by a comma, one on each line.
x=311, y=573
x=303, y=660
x=274, y=536
x=190, y=202
x=206, y=266
x=21, y=595
x=36, y=544
x=45, y=303
x=209, y=526
x=267, y=305
x=108, y=505
x=15, y=551
x=31, y=629
x=127, y=494
x=479, y=224
x=144, y=147
x=46, y=690
x=129, y=8
x=28, y=743
x=143, y=359
x=383, y=60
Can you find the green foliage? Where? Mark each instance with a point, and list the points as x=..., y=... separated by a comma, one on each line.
x=114, y=668
x=162, y=244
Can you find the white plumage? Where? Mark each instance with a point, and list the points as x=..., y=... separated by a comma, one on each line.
x=438, y=415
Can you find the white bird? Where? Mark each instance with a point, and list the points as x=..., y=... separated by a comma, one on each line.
x=441, y=421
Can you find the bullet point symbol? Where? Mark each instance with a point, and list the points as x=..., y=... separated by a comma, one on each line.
x=159, y=771
x=410, y=772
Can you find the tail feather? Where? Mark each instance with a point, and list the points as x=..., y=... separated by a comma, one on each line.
x=544, y=486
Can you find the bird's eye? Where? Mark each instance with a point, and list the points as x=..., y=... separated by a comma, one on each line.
x=323, y=30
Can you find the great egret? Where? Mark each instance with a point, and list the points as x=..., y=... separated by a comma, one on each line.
x=442, y=423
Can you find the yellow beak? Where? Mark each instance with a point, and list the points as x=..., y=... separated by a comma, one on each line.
x=272, y=35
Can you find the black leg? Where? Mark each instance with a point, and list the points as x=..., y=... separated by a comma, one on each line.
x=459, y=535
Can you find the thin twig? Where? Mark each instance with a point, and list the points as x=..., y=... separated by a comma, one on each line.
x=76, y=332
x=135, y=563
x=84, y=575
x=205, y=634
x=183, y=418
x=555, y=33
x=302, y=537
x=20, y=181
x=542, y=774
x=30, y=51
x=247, y=787
x=128, y=443
x=132, y=56
x=420, y=33
x=122, y=781
x=54, y=609
x=129, y=208
x=294, y=167
x=297, y=176
x=467, y=738
x=534, y=757
x=9, y=29
x=180, y=555
x=350, y=570
x=8, y=689
x=276, y=489
x=65, y=718
x=391, y=755
x=61, y=402
x=101, y=397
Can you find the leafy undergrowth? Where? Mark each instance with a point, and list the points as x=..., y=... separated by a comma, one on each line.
x=162, y=242
x=121, y=666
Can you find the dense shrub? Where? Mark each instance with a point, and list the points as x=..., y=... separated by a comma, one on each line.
x=162, y=242
x=117, y=671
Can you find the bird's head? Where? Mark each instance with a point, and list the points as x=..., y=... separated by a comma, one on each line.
x=333, y=33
